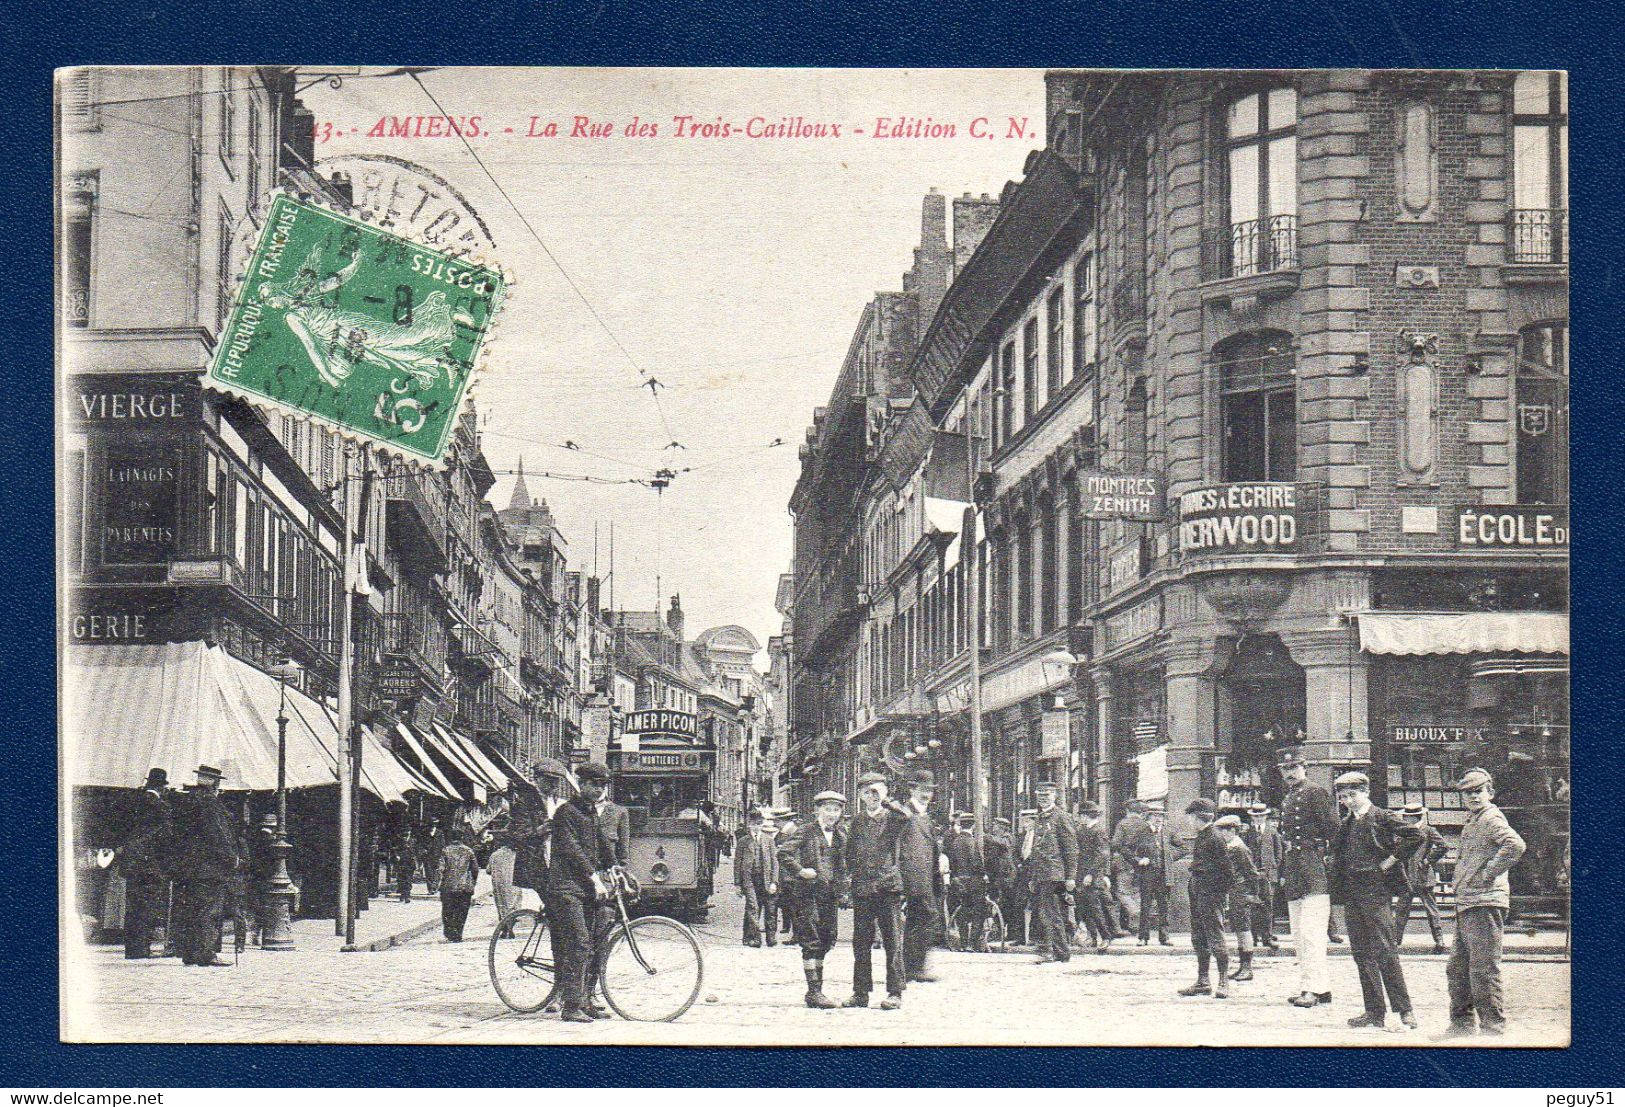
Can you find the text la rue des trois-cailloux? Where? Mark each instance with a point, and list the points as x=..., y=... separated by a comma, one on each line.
x=685, y=127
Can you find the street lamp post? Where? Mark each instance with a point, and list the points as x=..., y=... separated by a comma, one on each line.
x=1063, y=660
x=279, y=891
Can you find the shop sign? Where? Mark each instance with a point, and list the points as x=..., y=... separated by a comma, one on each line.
x=1239, y=518
x=676, y=724
x=397, y=682
x=1426, y=735
x=1524, y=527
x=1133, y=623
x=127, y=400
x=1109, y=495
x=122, y=619
x=1054, y=728
x=140, y=505
x=580, y=755
x=1125, y=566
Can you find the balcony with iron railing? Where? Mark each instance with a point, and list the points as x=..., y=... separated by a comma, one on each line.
x=1539, y=236
x=1253, y=248
x=418, y=636
x=416, y=526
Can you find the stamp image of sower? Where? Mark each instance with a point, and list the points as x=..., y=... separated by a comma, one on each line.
x=357, y=328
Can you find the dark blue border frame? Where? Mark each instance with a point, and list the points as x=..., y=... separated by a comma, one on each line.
x=1395, y=33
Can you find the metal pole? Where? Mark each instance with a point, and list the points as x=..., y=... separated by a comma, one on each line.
x=970, y=556
x=346, y=859
x=278, y=934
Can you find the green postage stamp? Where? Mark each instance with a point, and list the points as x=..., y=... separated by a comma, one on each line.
x=357, y=328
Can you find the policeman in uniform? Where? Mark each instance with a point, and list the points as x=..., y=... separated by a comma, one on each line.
x=967, y=883
x=1422, y=871
x=1049, y=861
x=1308, y=824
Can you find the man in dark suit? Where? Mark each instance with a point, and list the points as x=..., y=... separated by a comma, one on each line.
x=999, y=851
x=1149, y=851
x=967, y=883
x=1125, y=865
x=877, y=890
x=1212, y=878
x=1094, y=876
x=207, y=853
x=811, y=860
x=922, y=866
x=1368, y=864
x=1264, y=841
x=141, y=861
x=756, y=872
x=580, y=850
x=1422, y=872
x=1049, y=861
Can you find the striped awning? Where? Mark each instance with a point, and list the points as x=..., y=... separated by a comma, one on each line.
x=432, y=769
x=479, y=765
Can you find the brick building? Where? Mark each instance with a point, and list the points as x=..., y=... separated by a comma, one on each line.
x=1324, y=314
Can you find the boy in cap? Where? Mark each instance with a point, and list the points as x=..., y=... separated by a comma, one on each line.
x=1421, y=872
x=877, y=890
x=1368, y=862
x=1212, y=876
x=1308, y=824
x=1488, y=848
x=812, y=863
x=1243, y=892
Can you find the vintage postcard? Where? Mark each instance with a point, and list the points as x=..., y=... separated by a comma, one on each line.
x=814, y=557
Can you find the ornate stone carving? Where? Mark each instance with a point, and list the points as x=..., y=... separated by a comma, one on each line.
x=1246, y=597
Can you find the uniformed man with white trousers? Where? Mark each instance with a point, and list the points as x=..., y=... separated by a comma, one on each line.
x=1308, y=824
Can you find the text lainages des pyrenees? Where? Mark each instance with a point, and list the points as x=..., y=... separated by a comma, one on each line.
x=685, y=127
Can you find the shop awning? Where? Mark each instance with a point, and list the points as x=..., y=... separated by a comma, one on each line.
x=485, y=772
x=432, y=769
x=501, y=762
x=1415, y=632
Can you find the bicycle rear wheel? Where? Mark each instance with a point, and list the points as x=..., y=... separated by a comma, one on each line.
x=652, y=970
x=521, y=960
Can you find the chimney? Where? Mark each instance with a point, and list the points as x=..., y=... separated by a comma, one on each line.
x=674, y=617
x=972, y=218
x=932, y=262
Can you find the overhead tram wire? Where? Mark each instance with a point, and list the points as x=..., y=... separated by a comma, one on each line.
x=646, y=381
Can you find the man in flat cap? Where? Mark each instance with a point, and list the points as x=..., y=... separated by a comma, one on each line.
x=812, y=864
x=1488, y=849
x=207, y=854
x=1308, y=824
x=141, y=861
x=1243, y=896
x=1049, y=859
x=967, y=883
x=877, y=890
x=1211, y=878
x=756, y=871
x=1094, y=877
x=1421, y=872
x=923, y=867
x=1367, y=867
x=580, y=848
x=1264, y=841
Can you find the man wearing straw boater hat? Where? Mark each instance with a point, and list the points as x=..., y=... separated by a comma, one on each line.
x=207, y=855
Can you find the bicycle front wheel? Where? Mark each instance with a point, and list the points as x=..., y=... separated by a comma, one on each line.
x=521, y=961
x=652, y=970
x=995, y=929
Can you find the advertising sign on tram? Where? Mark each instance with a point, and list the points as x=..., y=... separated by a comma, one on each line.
x=662, y=721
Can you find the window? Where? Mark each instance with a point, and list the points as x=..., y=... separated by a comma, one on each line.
x=1257, y=405
x=253, y=148
x=222, y=267
x=79, y=108
x=1540, y=156
x=1029, y=370
x=1084, y=316
x=1543, y=414
x=1007, y=392
x=228, y=118
x=1022, y=594
x=1135, y=448
x=1056, y=340
x=1048, y=569
x=1261, y=166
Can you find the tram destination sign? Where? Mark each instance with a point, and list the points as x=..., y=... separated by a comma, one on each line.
x=675, y=724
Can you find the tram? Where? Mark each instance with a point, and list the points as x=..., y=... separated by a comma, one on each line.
x=660, y=771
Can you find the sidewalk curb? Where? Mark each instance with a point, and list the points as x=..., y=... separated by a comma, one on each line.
x=378, y=945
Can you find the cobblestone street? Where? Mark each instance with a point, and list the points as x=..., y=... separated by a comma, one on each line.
x=428, y=990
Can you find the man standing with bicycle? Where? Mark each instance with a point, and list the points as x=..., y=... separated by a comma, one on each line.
x=580, y=848
x=967, y=884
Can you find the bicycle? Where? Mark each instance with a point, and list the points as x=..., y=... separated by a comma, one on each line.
x=993, y=932
x=650, y=968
